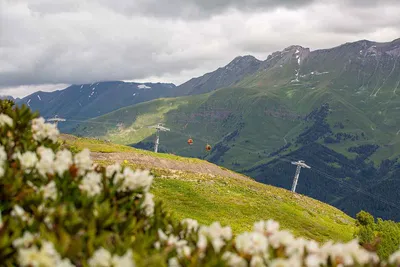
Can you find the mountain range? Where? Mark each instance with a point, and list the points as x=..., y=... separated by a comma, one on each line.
x=337, y=109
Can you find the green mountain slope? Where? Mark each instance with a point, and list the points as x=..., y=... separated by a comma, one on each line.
x=192, y=188
x=337, y=109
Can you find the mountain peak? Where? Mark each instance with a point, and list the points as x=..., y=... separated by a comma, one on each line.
x=242, y=59
x=294, y=47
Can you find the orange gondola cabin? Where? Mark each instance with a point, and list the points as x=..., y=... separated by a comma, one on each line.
x=208, y=147
x=190, y=141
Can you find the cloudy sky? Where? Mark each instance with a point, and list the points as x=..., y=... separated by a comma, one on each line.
x=49, y=44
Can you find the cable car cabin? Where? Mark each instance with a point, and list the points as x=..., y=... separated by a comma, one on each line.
x=208, y=147
x=190, y=141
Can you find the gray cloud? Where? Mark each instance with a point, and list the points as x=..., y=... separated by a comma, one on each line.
x=196, y=9
x=188, y=9
x=77, y=41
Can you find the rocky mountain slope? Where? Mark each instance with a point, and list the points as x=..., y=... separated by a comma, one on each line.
x=229, y=75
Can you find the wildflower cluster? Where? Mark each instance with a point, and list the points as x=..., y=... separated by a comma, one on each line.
x=266, y=245
x=60, y=209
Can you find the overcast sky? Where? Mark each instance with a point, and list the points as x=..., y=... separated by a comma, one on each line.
x=49, y=44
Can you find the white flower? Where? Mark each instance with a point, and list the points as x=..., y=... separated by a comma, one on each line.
x=337, y=252
x=395, y=258
x=123, y=261
x=148, y=204
x=253, y=243
x=50, y=191
x=45, y=164
x=360, y=255
x=217, y=244
x=278, y=262
x=202, y=243
x=215, y=230
x=24, y=241
x=184, y=251
x=42, y=130
x=28, y=160
x=20, y=213
x=65, y=263
x=3, y=155
x=161, y=235
x=34, y=257
x=47, y=220
x=216, y=233
x=173, y=262
x=296, y=247
x=172, y=240
x=136, y=180
x=34, y=187
x=100, y=258
x=91, y=184
x=281, y=238
x=257, y=261
x=63, y=161
x=47, y=256
x=5, y=120
x=313, y=260
x=83, y=161
x=266, y=227
x=192, y=225
x=312, y=246
x=111, y=169
x=234, y=260
x=49, y=249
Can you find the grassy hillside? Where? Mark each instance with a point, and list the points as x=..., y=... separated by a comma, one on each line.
x=337, y=109
x=226, y=197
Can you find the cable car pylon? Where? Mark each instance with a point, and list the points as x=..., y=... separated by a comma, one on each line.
x=300, y=164
x=159, y=129
x=55, y=120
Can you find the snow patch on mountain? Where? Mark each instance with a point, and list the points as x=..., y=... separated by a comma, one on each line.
x=143, y=86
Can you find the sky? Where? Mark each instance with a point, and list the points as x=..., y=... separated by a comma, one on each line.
x=47, y=44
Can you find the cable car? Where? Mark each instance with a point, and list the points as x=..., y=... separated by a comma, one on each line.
x=190, y=141
x=208, y=147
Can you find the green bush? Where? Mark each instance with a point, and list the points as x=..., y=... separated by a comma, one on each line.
x=60, y=209
x=382, y=236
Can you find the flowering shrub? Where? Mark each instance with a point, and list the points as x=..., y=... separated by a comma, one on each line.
x=60, y=209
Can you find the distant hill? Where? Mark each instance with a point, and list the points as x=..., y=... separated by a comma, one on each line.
x=80, y=102
x=10, y=98
x=337, y=109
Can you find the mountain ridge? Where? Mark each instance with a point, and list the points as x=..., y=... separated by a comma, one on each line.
x=84, y=101
x=335, y=108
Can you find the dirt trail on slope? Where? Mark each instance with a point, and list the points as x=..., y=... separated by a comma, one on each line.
x=162, y=163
